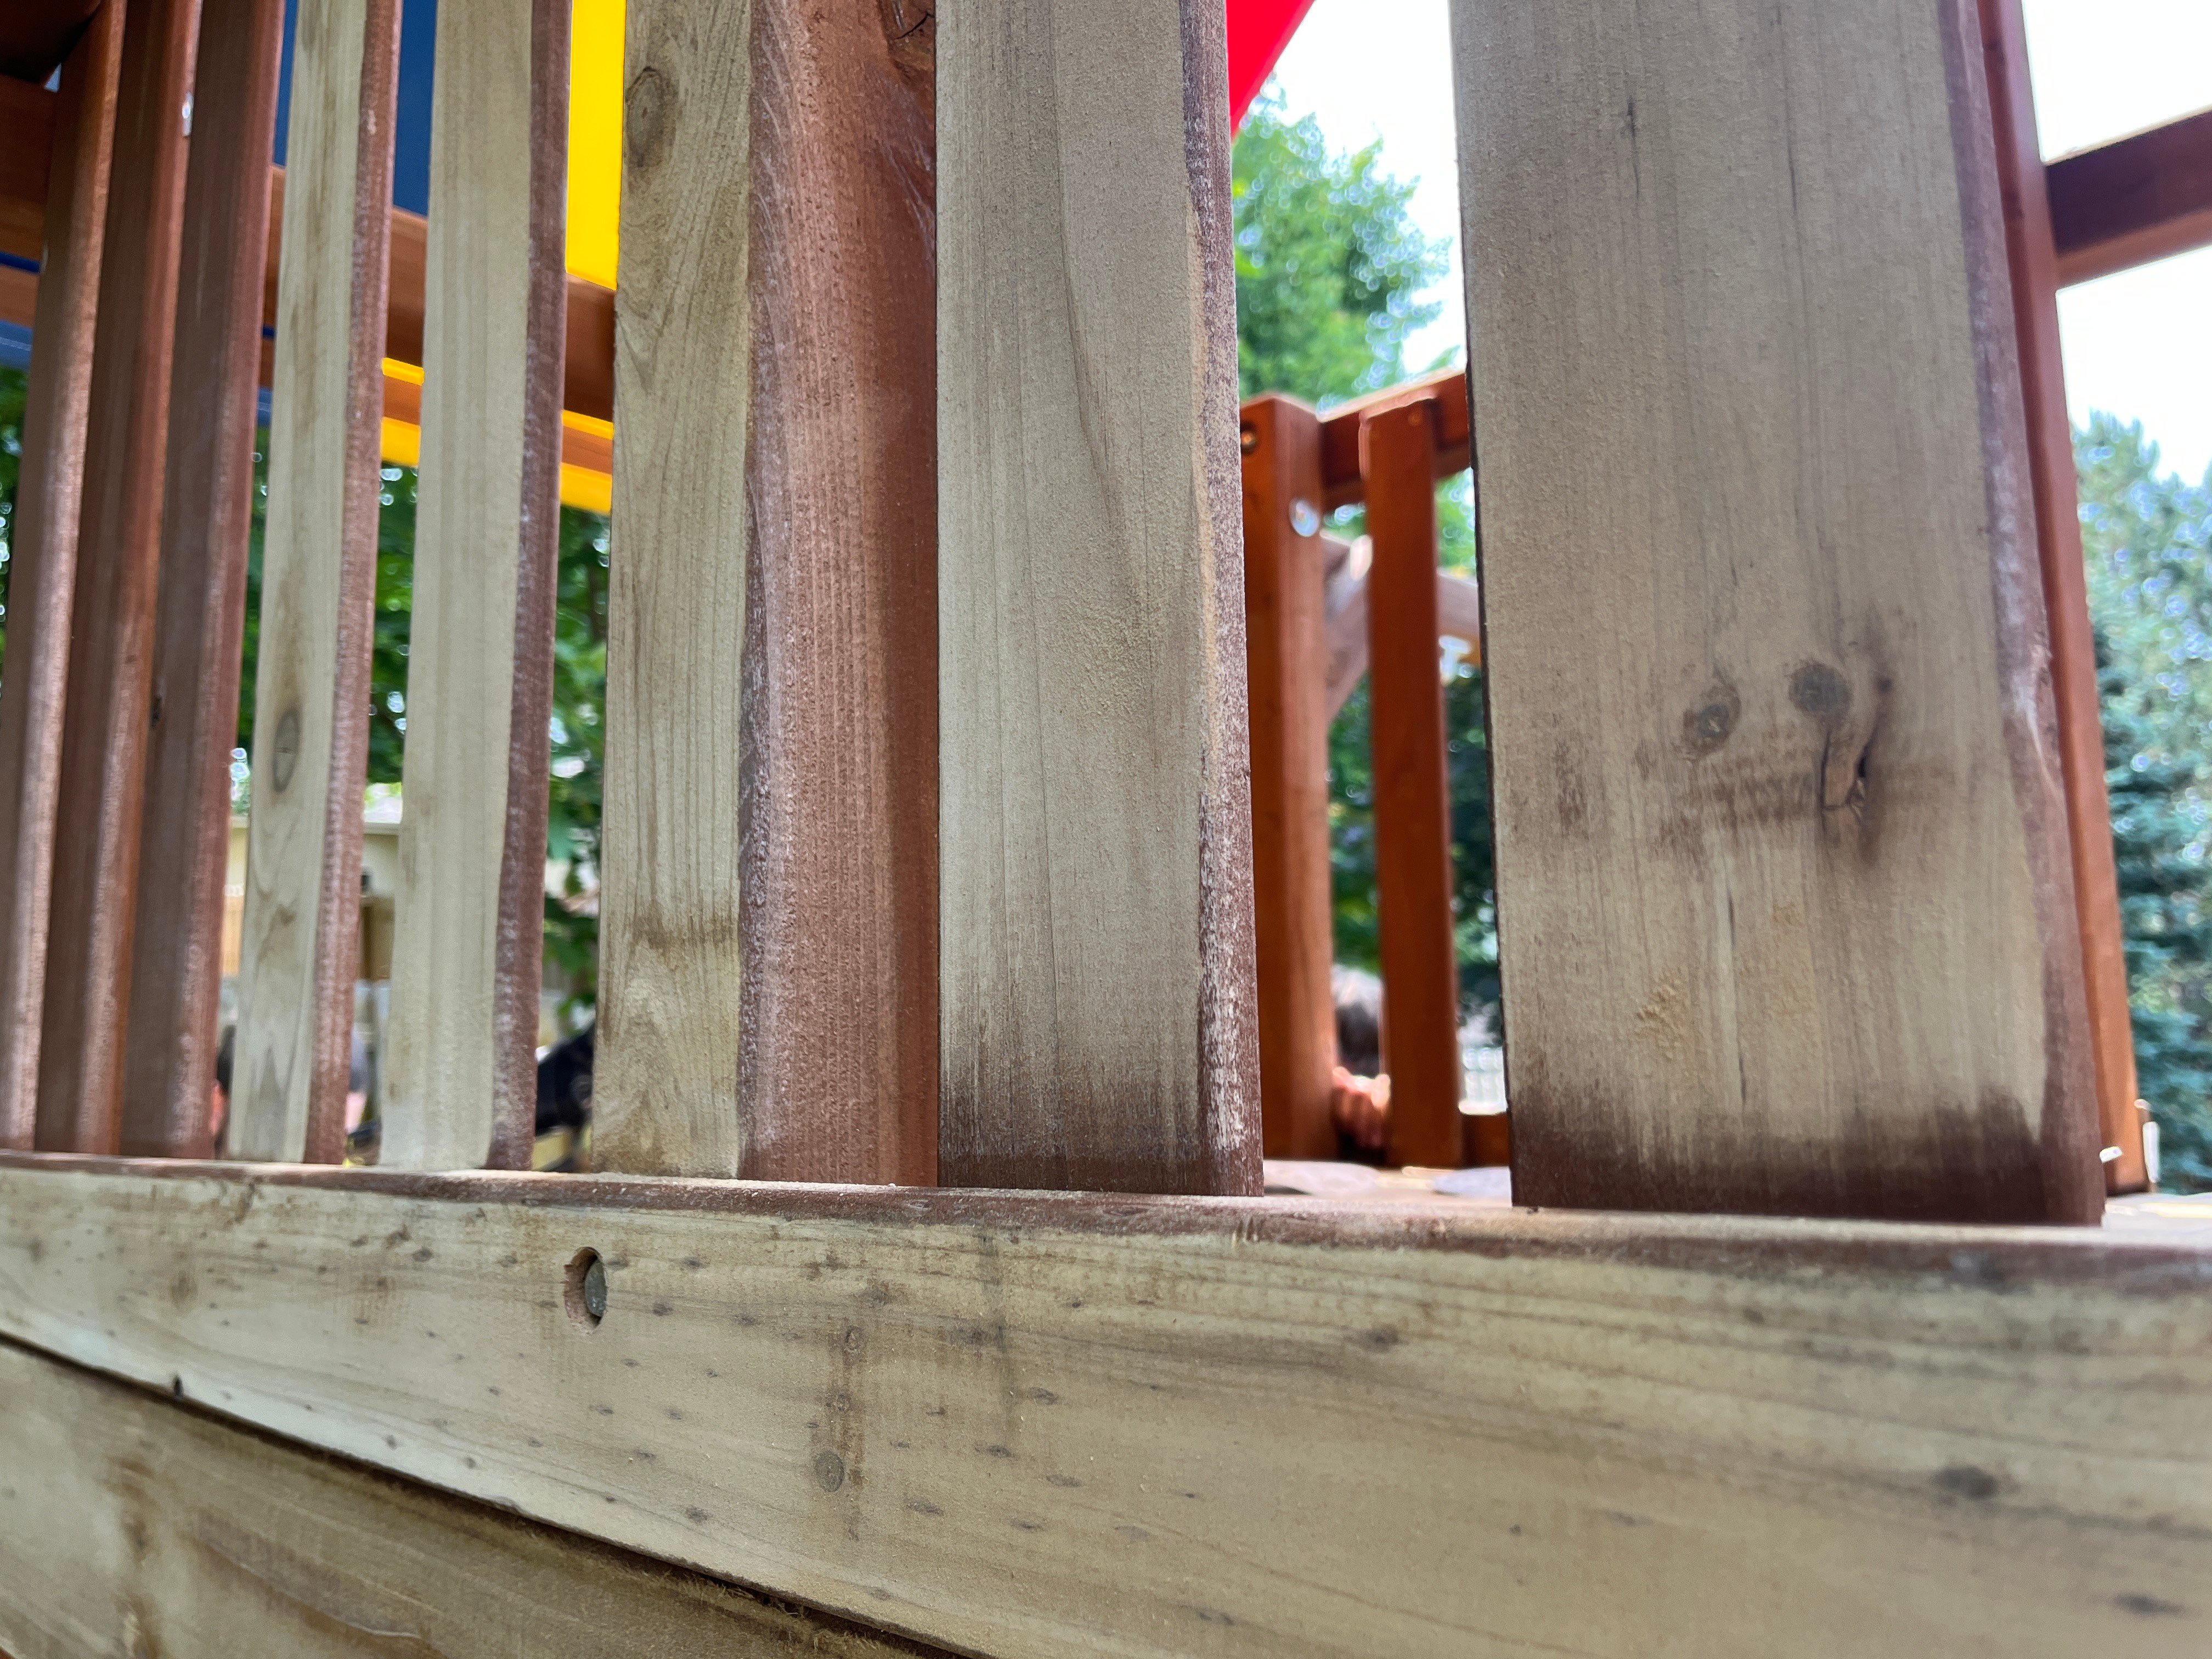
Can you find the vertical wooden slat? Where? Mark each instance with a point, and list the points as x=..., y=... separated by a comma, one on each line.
x=1412, y=801
x=317, y=580
x=1785, y=903
x=42, y=553
x=2034, y=267
x=103, y=777
x=1096, y=943
x=206, y=516
x=1285, y=657
x=459, y=1087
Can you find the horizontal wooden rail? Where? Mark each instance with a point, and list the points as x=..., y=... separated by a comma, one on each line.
x=2137, y=199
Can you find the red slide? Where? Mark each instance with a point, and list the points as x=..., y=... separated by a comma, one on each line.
x=1258, y=32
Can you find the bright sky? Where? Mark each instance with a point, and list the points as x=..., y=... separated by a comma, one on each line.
x=2139, y=344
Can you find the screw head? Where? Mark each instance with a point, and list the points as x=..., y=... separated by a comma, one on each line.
x=1304, y=519
x=1248, y=440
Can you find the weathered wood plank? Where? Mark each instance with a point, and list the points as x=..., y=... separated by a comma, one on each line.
x=1098, y=1022
x=1785, y=907
x=1027, y=1424
x=319, y=576
x=1286, y=689
x=42, y=554
x=207, y=515
x=103, y=762
x=460, y=1089
x=127, y=1521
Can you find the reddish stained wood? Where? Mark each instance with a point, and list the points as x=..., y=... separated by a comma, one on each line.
x=37, y=35
x=1445, y=392
x=1412, y=801
x=42, y=554
x=837, y=1074
x=1285, y=650
x=200, y=618
x=27, y=116
x=2137, y=199
x=2035, y=284
x=104, y=746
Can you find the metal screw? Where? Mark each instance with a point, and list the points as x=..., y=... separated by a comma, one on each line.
x=1303, y=518
x=595, y=1289
x=1249, y=439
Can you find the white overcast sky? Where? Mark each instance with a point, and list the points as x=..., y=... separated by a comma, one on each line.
x=2139, y=344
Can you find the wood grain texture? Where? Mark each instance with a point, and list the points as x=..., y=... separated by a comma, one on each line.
x=2137, y=199
x=460, y=1085
x=130, y=1524
x=1413, y=791
x=1098, y=1022
x=26, y=111
x=43, y=552
x=1785, y=909
x=1293, y=939
x=2035, y=283
x=207, y=518
x=318, y=574
x=1028, y=1424
x=103, y=773
x=665, y=1094
x=837, y=1080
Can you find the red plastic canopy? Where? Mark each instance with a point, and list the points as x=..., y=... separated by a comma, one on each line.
x=1258, y=32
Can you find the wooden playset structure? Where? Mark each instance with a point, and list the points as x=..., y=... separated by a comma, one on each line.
x=965, y=912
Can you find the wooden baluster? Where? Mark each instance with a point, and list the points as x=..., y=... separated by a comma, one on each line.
x=103, y=776
x=206, y=516
x=1785, y=896
x=2034, y=267
x=43, y=551
x=302, y=951
x=1284, y=649
x=460, y=1087
x=1096, y=944
x=1413, y=798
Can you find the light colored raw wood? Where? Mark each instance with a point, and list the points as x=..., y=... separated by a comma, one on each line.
x=127, y=1521
x=1785, y=903
x=1034, y=1424
x=459, y=1087
x=1098, y=1022
x=665, y=1095
x=317, y=582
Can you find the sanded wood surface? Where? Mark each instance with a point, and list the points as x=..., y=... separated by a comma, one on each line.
x=1098, y=1025
x=1287, y=695
x=127, y=1521
x=665, y=1093
x=1035, y=1425
x=42, y=554
x=838, y=1077
x=2035, y=283
x=459, y=1089
x=206, y=516
x=103, y=772
x=2137, y=199
x=1785, y=907
x=318, y=574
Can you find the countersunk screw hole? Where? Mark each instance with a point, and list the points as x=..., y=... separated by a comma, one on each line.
x=586, y=1293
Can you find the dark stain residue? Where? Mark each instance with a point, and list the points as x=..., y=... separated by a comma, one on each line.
x=1965, y=1481
x=2148, y=1607
x=1708, y=722
x=828, y=1470
x=646, y=109
x=1818, y=690
x=1380, y=1339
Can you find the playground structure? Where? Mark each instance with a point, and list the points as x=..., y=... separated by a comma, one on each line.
x=964, y=892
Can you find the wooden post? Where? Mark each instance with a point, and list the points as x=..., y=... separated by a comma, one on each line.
x=2033, y=263
x=42, y=553
x=1285, y=652
x=317, y=582
x=1096, y=909
x=460, y=1086
x=1785, y=898
x=206, y=516
x=103, y=776
x=1413, y=798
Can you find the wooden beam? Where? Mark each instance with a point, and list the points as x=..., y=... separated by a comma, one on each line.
x=2081, y=730
x=318, y=573
x=26, y=114
x=43, y=552
x=1785, y=907
x=1096, y=949
x=207, y=518
x=103, y=771
x=1445, y=392
x=36, y=36
x=127, y=1519
x=1285, y=647
x=1413, y=791
x=1233, y=1426
x=2139, y=198
x=460, y=1085
x=1459, y=617
x=838, y=1074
